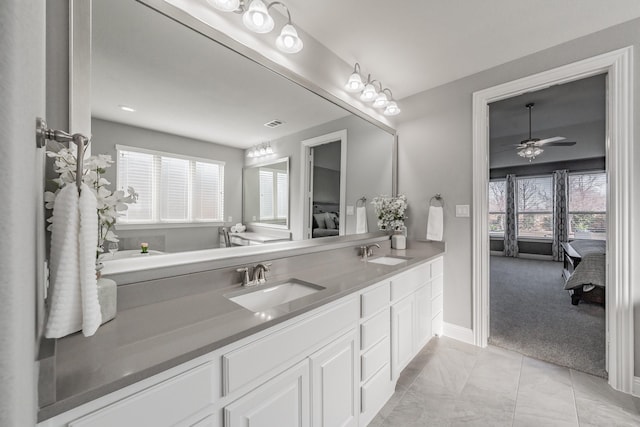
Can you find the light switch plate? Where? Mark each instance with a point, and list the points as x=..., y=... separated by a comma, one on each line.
x=349, y=210
x=462, y=211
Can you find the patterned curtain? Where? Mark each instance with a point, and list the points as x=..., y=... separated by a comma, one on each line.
x=510, y=221
x=560, y=215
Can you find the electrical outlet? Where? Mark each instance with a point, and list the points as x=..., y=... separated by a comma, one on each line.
x=462, y=211
x=349, y=210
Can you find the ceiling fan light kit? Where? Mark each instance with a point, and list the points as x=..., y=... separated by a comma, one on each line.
x=530, y=147
x=256, y=18
x=369, y=92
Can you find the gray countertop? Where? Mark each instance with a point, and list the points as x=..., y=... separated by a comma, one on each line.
x=147, y=339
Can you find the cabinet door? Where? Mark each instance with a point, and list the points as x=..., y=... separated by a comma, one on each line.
x=423, y=317
x=283, y=401
x=402, y=333
x=334, y=375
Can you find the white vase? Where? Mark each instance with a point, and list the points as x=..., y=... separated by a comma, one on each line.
x=398, y=241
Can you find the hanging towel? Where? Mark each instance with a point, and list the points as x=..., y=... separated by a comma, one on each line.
x=73, y=245
x=435, y=223
x=361, y=220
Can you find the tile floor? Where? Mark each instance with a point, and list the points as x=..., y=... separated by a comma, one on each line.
x=450, y=383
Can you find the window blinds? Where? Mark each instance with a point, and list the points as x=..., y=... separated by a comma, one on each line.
x=171, y=188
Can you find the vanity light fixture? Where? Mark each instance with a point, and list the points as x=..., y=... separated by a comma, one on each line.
x=369, y=93
x=256, y=18
x=263, y=149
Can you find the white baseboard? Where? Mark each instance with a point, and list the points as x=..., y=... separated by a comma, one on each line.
x=635, y=388
x=458, y=333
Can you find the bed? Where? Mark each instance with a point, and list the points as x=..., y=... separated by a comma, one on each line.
x=585, y=270
x=326, y=219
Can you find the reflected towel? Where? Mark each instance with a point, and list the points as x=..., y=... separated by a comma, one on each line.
x=73, y=248
x=435, y=224
x=361, y=220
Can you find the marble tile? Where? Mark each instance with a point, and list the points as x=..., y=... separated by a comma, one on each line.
x=449, y=368
x=497, y=372
x=545, y=395
x=475, y=406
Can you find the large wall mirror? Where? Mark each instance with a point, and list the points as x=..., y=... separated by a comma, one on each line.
x=165, y=91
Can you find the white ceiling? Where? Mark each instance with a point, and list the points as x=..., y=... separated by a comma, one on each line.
x=414, y=45
x=182, y=83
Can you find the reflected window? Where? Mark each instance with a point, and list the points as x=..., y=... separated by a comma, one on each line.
x=274, y=192
x=171, y=188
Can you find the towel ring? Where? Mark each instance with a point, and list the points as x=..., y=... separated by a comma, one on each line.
x=437, y=199
x=362, y=200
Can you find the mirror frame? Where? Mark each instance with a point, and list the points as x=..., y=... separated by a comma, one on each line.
x=269, y=162
x=80, y=32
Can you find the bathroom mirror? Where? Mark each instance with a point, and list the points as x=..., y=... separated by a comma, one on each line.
x=165, y=88
x=265, y=189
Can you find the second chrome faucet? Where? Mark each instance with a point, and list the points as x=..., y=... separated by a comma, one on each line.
x=259, y=273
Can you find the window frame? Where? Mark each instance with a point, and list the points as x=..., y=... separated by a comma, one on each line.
x=525, y=238
x=155, y=220
x=570, y=212
x=494, y=234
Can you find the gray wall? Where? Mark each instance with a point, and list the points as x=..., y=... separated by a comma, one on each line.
x=368, y=166
x=107, y=134
x=435, y=154
x=22, y=90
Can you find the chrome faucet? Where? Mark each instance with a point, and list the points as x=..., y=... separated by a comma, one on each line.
x=260, y=273
x=367, y=251
x=246, y=280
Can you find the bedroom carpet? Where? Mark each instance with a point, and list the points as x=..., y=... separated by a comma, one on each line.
x=532, y=314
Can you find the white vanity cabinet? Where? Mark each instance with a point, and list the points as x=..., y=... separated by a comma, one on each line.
x=334, y=366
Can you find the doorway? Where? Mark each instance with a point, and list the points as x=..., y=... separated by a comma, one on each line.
x=324, y=160
x=547, y=182
x=619, y=317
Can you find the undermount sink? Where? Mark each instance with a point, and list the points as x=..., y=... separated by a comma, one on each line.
x=262, y=298
x=389, y=260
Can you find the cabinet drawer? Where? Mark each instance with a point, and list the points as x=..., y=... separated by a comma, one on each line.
x=241, y=366
x=437, y=286
x=437, y=267
x=436, y=305
x=374, y=300
x=409, y=281
x=374, y=329
x=164, y=404
x=376, y=358
x=375, y=392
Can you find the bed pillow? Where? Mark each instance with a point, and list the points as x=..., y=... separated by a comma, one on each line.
x=320, y=219
x=329, y=221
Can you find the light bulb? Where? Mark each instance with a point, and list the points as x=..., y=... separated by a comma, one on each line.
x=250, y=153
x=381, y=100
x=257, y=18
x=369, y=93
x=263, y=151
x=354, y=84
x=225, y=5
x=269, y=149
x=288, y=40
x=392, y=109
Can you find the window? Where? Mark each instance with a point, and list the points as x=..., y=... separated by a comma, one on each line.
x=534, y=197
x=588, y=205
x=170, y=187
x=274, y=194
x=497, y=206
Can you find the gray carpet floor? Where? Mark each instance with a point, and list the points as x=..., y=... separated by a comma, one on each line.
x=531, y=313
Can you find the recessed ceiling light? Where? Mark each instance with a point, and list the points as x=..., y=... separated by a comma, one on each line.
x=127, y=108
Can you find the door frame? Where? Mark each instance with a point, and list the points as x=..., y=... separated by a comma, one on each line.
x=618, y=65
x=305, y=181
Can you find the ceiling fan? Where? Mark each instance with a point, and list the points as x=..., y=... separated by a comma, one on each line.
x=530, y=147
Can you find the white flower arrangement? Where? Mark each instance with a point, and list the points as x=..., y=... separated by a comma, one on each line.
x=110, y=203
x=390, y=211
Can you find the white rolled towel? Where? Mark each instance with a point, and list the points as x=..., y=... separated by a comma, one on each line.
x=87, y=245
x=435, y=223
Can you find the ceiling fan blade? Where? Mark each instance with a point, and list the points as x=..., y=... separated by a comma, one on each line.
x=548, y=140
x=561, y=144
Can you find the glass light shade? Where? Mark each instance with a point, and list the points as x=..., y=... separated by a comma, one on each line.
x=225, y=5
x=381, y=100
x=263, y=151
x=369, y=93
x=257, y=18
x=288, y=40
x=354, y=84
x=392, y=109
x=269, y=149
x=530, y=152
x=250, y=153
